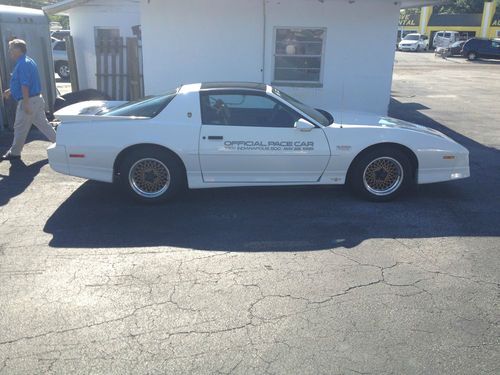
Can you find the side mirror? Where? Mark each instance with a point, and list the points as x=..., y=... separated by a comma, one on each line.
x=304, y=125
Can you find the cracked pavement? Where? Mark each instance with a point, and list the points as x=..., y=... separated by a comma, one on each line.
x=274, y=281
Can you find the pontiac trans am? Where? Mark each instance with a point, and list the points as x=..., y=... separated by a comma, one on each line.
x=246, y=134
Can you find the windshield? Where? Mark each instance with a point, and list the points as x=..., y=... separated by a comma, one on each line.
x=311, y=112
x=412, y=37
x=149, y=107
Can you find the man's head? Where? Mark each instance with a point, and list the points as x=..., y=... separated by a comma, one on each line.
x=17, y=48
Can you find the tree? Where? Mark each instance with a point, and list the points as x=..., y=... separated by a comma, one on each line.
x=462, y=6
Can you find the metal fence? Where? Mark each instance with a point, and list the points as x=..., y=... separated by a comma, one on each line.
x=119, y=68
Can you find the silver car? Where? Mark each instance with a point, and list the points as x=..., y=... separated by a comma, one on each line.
x=60, y=56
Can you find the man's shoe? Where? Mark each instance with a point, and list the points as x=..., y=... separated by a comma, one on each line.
x=10, y=157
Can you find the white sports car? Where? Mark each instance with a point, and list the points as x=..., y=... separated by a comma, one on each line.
x=247, y=134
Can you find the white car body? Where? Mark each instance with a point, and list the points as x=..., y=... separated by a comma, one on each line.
x=223, y=155
x=444, y=39
x=414, y=42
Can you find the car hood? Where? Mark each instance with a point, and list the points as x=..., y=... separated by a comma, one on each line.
x=375, y=121
x=409, y=42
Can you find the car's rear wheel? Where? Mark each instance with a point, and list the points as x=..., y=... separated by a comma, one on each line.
x=382, y=174
x=151, y=175
x=62, y=70
x=471, y=56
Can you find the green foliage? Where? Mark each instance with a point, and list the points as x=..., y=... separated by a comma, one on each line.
x=63, y=20
x=456, y=7
x=462, y=6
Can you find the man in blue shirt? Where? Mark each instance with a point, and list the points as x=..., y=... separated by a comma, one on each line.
x=25, y=88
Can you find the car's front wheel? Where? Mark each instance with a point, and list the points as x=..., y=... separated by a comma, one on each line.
x=382, y=174
x=151, y=175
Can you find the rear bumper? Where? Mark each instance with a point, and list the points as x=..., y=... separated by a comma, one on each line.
x=58, y=158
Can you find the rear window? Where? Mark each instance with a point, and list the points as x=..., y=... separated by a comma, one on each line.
x=149, y=107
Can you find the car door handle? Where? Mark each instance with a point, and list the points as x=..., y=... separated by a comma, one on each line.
x=215, y=137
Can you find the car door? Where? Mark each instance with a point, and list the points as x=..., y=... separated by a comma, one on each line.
x=249, y=137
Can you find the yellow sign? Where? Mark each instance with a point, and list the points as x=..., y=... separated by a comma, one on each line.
x=409, y=20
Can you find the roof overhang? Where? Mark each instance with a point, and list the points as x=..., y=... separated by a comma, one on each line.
x=63, y=6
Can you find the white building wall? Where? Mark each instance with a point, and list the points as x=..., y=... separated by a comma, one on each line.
x=196, y=40
x=359, y=50
x=83, y=21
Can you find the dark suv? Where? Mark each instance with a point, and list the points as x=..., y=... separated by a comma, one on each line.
x=486, y=48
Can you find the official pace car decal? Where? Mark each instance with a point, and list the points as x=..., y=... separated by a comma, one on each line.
x=269, y=146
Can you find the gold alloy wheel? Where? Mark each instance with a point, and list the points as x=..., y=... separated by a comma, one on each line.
x=149, y=178
x=383, y=176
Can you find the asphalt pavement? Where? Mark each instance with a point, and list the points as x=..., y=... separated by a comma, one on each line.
x=265, y=280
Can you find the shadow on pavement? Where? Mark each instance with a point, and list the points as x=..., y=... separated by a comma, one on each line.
x=284, y=218
x=20, y=177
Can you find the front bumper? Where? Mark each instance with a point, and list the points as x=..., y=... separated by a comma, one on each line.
x=445, y=170
x=408, y=48
x=58, y=158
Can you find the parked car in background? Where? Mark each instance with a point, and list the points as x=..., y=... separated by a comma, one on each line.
x=445, y=39
x=414, y=43
x=60, y=56
x=481, y=48
x=60, y=34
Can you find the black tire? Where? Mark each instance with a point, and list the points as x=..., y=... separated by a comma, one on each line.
x=159, y=175
x=370, y=175
x=471, y=56
x=62, y=69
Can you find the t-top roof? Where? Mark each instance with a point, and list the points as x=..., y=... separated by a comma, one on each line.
x=233, y=86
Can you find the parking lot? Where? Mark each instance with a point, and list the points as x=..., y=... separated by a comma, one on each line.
x=266, y=280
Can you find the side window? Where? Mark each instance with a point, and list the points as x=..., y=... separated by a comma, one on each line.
x=496, y=44
x=241, y=109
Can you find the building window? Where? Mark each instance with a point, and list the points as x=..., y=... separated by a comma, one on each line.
x=299, y=56
x=106, y=33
